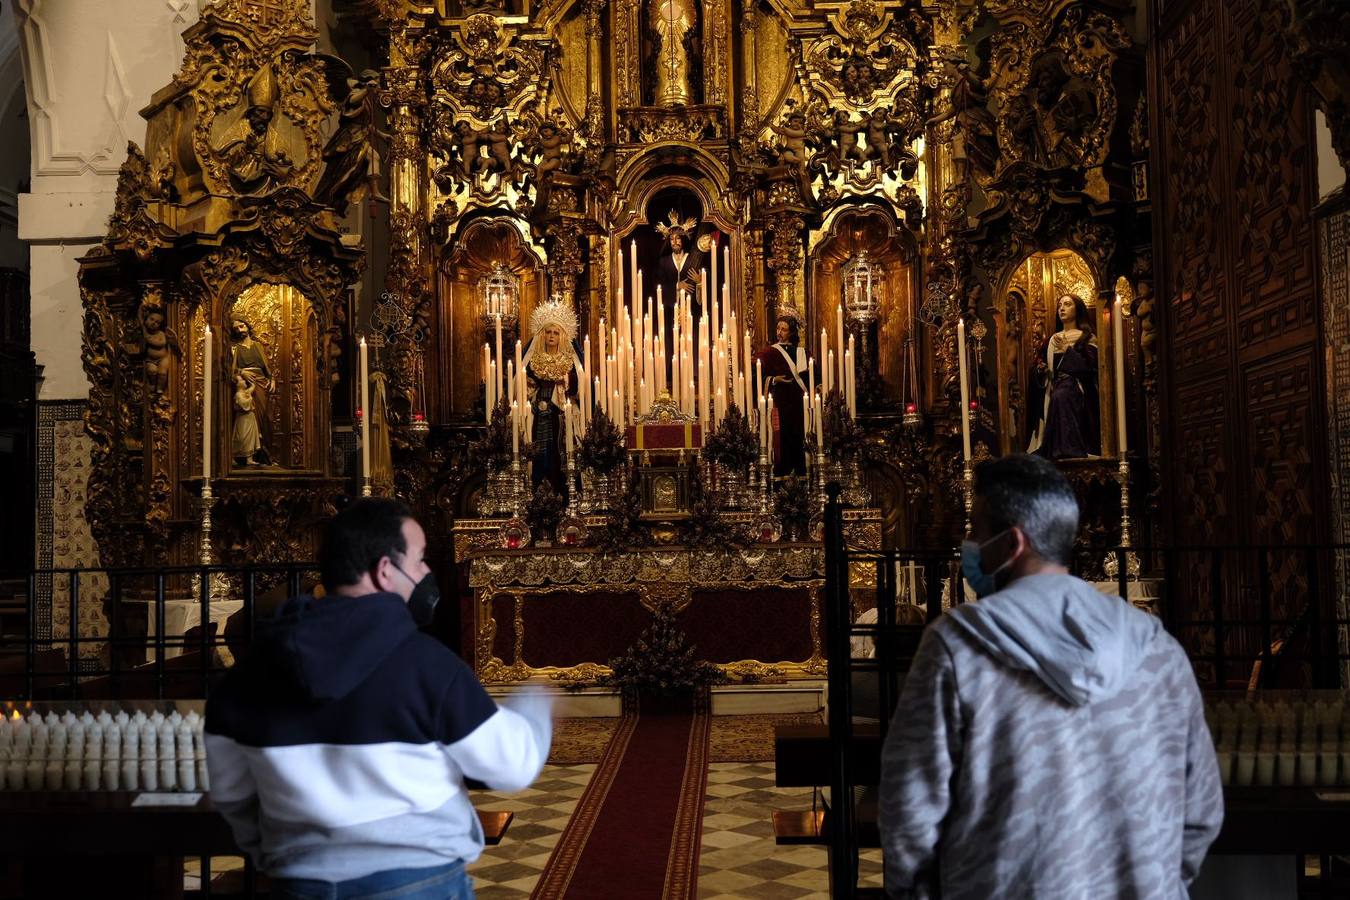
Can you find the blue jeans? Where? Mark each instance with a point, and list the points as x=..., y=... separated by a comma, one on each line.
x=449, y=882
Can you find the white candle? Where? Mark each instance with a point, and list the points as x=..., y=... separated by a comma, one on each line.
x=768, y=431
x=520, y=373
x=806, y=413
x=208, y=368
x=497, y=387
x=839, y=325
x=599, y=392
x=820, y=420
x=567, y=427
x=365, y=411
x=712, y=263
x=759, y=378
x=965, y=387
x=810, y=376
x=829, y=369
x=515, y=428
x=1118, y=338
x=763, y=424
x=744, y=405
x=604, y=370
x=852, y=369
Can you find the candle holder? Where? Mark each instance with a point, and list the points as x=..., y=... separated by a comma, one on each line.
x=1112, y=564
x=820, y=478
x=204, y=551
x=968, y=490
x=365, y=486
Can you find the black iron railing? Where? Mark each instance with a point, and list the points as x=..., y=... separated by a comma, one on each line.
x=142, y=633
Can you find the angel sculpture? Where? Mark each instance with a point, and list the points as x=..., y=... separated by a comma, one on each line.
x=351, y=158
x=498, y=140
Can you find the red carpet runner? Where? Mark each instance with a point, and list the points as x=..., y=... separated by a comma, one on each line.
x=635, y=833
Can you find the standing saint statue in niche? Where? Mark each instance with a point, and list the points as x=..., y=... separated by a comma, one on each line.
x=1065, y=410
x=248, y=365
x=673, y=24
x=553, y=374
x=785, y=373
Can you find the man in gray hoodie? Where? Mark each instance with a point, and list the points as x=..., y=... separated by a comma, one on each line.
x=1050, y=741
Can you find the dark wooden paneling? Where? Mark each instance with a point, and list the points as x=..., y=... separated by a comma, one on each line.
x=1236, y=253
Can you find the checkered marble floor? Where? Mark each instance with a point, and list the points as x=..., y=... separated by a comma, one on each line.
x=738, y=860
x=510, y=870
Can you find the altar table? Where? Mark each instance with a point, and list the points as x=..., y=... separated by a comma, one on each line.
x=563, y=612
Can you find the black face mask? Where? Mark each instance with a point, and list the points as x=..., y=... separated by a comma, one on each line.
x=426, y=594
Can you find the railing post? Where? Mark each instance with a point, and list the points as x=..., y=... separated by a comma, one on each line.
x=159, y=635
x=1267, y=626
x=114, y=613
x=206, y=641
x=74, y=632
x=1220, y=628
x=842, y=846
x=30, y=645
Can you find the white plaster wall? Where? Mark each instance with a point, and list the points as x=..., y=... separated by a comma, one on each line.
x=88, y=68
x=1330, y=174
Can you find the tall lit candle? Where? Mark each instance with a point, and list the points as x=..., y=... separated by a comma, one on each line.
x=599, y=392
x=567, y=427
x=759, y=378
x=806, y=413
x=1118, y=338
x=520, y=374
x=852, y=377
x=829, y=367
x=515, y=428
x=763, y=422
x=497, y=388
x=820, y=423
x=839, y=325
x=965, y=387
x=208, y=369
x=713, y=263
x=365, y=409
x=810, y=376
x=768, y=431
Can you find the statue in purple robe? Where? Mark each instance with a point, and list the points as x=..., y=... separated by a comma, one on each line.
x=1065, y=409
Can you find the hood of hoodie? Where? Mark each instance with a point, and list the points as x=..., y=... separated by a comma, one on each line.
x=321, y=650
x=1085, y=645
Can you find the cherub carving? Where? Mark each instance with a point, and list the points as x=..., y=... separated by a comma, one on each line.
x=498, y=141
x=158, y=345
x=846, y=134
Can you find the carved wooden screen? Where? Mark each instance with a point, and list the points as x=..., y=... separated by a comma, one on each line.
x=1236, y=253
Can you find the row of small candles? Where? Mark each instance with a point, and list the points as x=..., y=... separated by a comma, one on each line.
x=107, y=752
x=1277, y=743
x=703, y=366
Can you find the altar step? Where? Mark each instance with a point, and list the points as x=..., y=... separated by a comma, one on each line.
x=805, y=696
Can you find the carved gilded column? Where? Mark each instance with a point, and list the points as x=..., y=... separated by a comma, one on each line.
x=755, y=287
x=405, y=279
x=627, y=53
x=749, y=94
x=594, y=32
x=716, y=49
x=785, y=260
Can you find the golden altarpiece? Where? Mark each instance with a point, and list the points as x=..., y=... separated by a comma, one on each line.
x=918, y=187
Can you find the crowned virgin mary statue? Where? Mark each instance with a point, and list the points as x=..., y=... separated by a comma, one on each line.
x=553, y=374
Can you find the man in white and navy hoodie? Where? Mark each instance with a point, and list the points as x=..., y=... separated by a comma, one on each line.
x=339, y=746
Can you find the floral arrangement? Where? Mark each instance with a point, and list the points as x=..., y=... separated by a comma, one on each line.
x=792, y=506
x=732, y=444
x=545, y=511
x=602, y=448
x=662, y=662
x=494, y=449
x=625, y=530
x=705, y=527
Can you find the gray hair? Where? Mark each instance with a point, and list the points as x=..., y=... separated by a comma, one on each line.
x=1030, y=493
